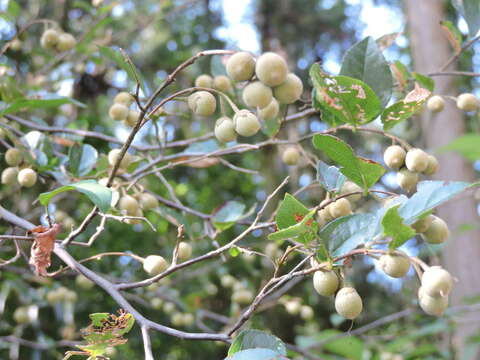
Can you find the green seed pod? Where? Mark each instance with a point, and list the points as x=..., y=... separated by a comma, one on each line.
x=271, y=69
x=290, y=90
x=184, y=251
x=325, y=282
x=437, y=232
x=204, y=80
x=257, y=94
x=202, y=103
x=148, y=201
x=394, y=157
x=306, y=312
x=348, y=303
x=396, y=264
x=129, y=204
x=242, y=296
x=350, y=187
x=225, y=129
x=423, y=224
x=132, y=118
x=246, y=123
x=84, y=282
x=240, y=66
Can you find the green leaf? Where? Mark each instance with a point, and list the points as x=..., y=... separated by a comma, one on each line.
x=82, y=159
x=289, y=211
x=454, y=35
x=257, y=354
x=470, y=10
x=350, y=347
x=251, y=339
x=349, y=100
x=229, y=213
x=429, y=195
x=118, y=58
x=329, y=177
x=346, y=233
x=13, y=8
x=405, y=108
x=306, y=225
x=425, y=81
x=271, y=127
x=325, y=116
x=47, y=102
x=363, y=172
x=467, y=145
x=394, y=227
x=100, y=195
x=365, y=61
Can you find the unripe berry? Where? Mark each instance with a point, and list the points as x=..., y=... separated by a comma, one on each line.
x=240, y=66
x=339, y=208
x=348, y=303
x=129, y=204
x=156, y=303
x=84, y=282
x=437, y=281
x=154, y=264
x=184, y=251
x=188, y=319
x=323, y=217
x=436, y=103
x=396, y=264
x=246, y=123
x=16, y=45
x=54, y=297
x=423, y=224
x=350, y=187
x=66, y=42
x=291, y=155
x=132, y=118
x=432, y=305
x=113, y=156
x=118, y=112
x=222, y=83
x=271, y=69
x=257, y=94
x=70, y=296
x=306, y=312
x=437, y=232
x=290, y=90
x=394, y=157
x=225, y=129
x=9, y=176
x=432, y=166
x=202, y=103
x=177, y=319
x=124, y=98
x=204, y=80
x=227, y=280
x=270, y=111
x=242, y=297
x=49, y=39
x=148, y=201
x=416, y=160
x=13, y=157
x=293, y=306
x=21, y=316
x=467, y=102
x=325, y=282
x=169, y=307
x=27, y=177
x=407, y=180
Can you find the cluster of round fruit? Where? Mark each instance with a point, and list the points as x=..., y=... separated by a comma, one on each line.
x=241, y=295
x=120, y=110
x=61, y=294
x=25, y=314
x=409, y=165
x=294, y=306
x=177, y=318
x=466, y=102
x=58, y=40
x=136, y=204
x=433, y=229
x=269, y=84
x=26, y=176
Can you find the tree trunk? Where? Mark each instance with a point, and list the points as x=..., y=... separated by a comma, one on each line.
x=430, y=50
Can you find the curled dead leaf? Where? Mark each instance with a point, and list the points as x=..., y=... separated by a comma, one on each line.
x=41, y=251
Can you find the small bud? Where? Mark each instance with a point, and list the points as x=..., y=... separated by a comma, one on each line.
x=240, y=66
x=436, y=103
x=290, y=90
x=394, y=157
x=246, y=123
x=325, y=282
x=132, y=118
x=467, y=102
x=271, y=69
x=227, y=280
x=154, y=264
x=306, y=312
x=242, y=297
x=291, y=155
x=256, y=94
x=437, y=232
x=348, y=303
x=416, y=160
x=84, y=282
x=293, y=306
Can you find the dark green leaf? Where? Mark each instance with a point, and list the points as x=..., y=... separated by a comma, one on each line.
x=82, y=159
x=100, y=195
x=289, y=211
x=394, y=227
x=306, y=225
x=257, y=354
x=46, y=102
x=329, y=177
x=349, y=100
x=425, y=81
x=468, y=145
x=365, y=61
x=361, y=171
x=251, y=339
x=470, y=10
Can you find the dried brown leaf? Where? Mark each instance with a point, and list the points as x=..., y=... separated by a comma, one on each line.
x=41, y=252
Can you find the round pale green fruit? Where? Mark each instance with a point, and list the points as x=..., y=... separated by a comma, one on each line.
x=291, y=155
x=256, y=94
x=325, y=282
x=13, y=157
x=293, y=306
x=49, y=38
x=290, y=90
x=437, y=232
x=188, y=319
x=16, y=44
x=436, y=103
x=129, y=204
x=394, y=157
x=169, y=307
x=306, y=312
x=70, y=296
x=27, y=177
x=240, y=66
x=132, y=118
x=339, y=208
x=9, y=176
x=348, y=303
x=204, y=80
x=124, y=98
x=467, y=102
x=66, y=42
x=148, y=201
x=395, y=264
x=83, y=282
x=432, y=166
x=350, y=187
x=114, y=155
x=202, y=103
x=423, y=224
x=271, y=69
x=437, y=281
x=227, y=280
x=246, y=123
x=118, y=111
x=432, y=305
x=270, y=111
x=184, y=251
x=177, y=319
x=407, y=180
x=222, y=83
x=416, y=160
x=156, y=303
x=154, y=264
x=242, y=296
x=21, y=315
x=225, y=129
